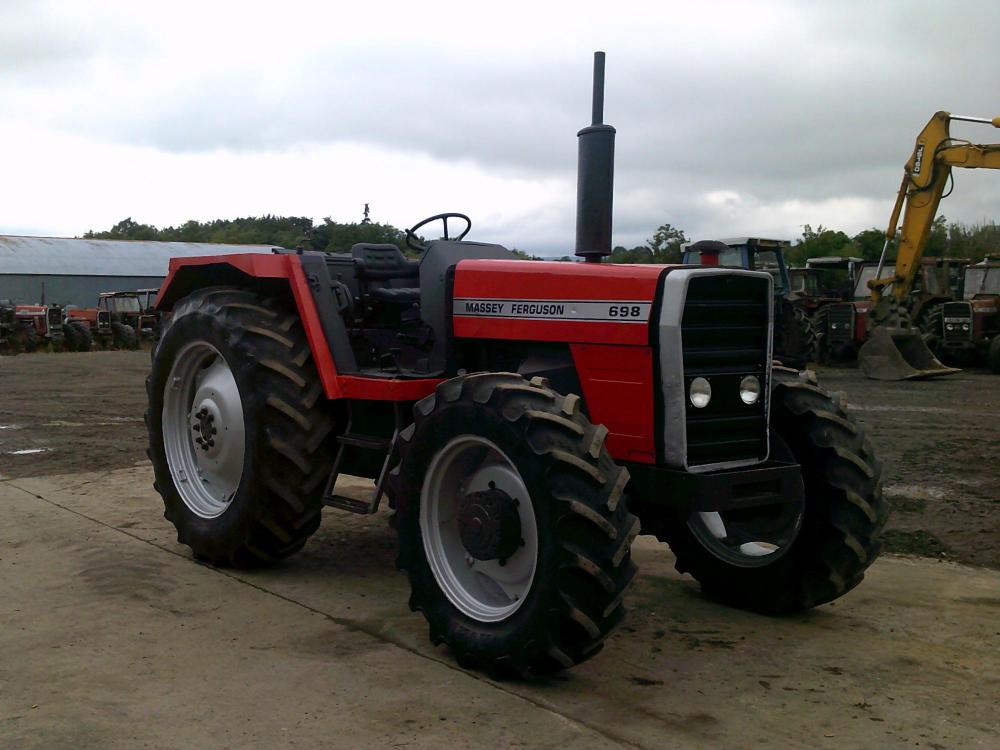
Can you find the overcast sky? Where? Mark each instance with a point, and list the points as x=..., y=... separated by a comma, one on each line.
x=732, y=118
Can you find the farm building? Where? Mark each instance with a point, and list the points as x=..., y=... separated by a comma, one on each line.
x=64, y=271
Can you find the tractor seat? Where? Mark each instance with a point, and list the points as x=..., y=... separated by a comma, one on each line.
x=383, y=262
x=396, y=295
x=388, y=275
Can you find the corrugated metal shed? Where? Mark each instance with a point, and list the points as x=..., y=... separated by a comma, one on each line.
x=58, y=256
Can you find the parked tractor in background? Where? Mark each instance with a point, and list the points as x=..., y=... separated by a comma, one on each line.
x=41, y=326
x=520, y=416
x=9, y=343
x=130, y=320
x=86, y=327
x=823, y=281
x=816, y=289
x=968, y=329
x=844, y=327
x=795, y=339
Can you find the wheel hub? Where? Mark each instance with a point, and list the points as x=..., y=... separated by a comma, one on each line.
x=204, y=431
x=489, y=524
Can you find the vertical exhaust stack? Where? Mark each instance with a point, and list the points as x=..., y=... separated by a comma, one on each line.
x=595, y=178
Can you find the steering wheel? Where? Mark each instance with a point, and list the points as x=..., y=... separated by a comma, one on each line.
x=411, y=233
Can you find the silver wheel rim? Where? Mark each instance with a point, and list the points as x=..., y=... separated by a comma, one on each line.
x=200, y=396
x=753, y=537
x=483, y=590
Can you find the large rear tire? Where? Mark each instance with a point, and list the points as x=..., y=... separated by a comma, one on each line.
x=542, y=592
x=236, y=371
x=770, y=560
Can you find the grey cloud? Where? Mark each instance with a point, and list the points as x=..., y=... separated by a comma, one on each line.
x=826, y=108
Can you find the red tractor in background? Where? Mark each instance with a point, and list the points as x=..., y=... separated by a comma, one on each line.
x=39, y=326
x=968, y=328
x=133, y=316
x=521, y=417
x=844, y=327
x=87, y=326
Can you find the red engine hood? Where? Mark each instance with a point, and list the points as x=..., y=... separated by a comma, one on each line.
x=553, y=301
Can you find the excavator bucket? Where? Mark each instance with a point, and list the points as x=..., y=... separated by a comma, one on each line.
x=899, y=354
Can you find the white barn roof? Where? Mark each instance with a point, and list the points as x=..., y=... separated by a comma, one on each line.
x=80, y=257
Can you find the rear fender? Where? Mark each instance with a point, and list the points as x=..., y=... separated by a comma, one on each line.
x=284, y=275
x=278, y=275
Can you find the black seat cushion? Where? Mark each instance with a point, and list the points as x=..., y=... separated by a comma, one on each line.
x=396, y=295
x=382, y=261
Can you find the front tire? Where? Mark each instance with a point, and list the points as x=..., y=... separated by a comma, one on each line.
x=993, y=354
x=78, y=337
x=236, y=370
x=549, y=590
x=795, y=340
x=805, y=560
x=124, y=336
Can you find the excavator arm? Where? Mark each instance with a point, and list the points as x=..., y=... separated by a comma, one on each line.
x=925, y=179
x=895, y=351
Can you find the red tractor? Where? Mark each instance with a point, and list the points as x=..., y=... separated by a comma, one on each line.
x=87, y=326
x=131, y=321
x=40, y=326
x=521, y=417
x=968, y=328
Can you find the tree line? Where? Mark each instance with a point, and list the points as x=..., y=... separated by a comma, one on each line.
x=665, y=246
x=280, y=231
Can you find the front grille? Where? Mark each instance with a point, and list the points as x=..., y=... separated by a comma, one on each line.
x=725, y=333
x=53, y=317
x=957, y=323
x=839, y=325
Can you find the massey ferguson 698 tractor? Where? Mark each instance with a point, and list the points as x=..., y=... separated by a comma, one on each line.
x=521, y=418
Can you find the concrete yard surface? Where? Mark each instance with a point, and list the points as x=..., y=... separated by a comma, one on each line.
x=112, y=636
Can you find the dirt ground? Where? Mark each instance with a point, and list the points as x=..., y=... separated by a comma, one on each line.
x=939, y=440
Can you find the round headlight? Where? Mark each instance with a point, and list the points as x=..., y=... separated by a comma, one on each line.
x=949, y=327
x=833, y=326
x=750, y=389
x=701, y=392
x=965, y=326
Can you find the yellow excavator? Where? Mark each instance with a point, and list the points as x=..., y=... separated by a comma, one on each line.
x=895, y=350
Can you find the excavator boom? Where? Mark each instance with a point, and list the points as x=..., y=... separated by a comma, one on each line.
x=896, y=350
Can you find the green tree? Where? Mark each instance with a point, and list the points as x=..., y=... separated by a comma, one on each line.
x=665, y=244
x=818, y=243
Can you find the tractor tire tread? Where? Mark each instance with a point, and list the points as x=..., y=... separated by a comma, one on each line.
x=296, y=427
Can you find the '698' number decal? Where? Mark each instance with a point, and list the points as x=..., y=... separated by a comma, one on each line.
x=624, y=311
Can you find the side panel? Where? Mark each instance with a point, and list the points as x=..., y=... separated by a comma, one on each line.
x=617, y=384
x=548, y=301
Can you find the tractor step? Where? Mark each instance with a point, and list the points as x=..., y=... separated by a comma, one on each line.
x=368, y=442
x=364, y=507
x=358, y=441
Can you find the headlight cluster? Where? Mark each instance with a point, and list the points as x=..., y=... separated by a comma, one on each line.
x=700, y=391
x=956, y=327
